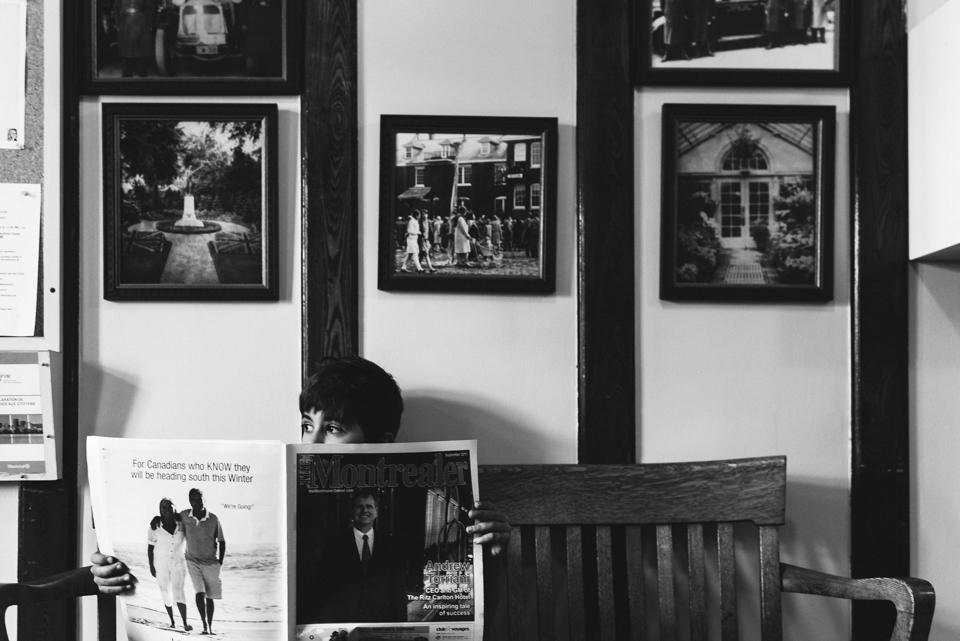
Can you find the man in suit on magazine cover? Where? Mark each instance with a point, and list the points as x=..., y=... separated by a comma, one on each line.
x=358, y=577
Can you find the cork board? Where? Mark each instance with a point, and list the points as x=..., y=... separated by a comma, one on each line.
x=26, y=165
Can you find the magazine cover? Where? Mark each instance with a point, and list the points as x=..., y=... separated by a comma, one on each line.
x=203, y=526
x=381, y=547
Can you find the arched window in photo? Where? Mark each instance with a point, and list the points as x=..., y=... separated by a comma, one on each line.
x=756, y=161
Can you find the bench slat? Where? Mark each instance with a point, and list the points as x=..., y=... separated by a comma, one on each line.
x=635, y=587
x=697, y=581
x=515, y=585
x=729, y=626
x=545, y=609
x=605, y=583
x=771, y=629
x=577, y=626
x=668, y=615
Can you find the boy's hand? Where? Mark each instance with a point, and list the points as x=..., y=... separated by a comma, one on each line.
x=490, y=527
x=111, y=575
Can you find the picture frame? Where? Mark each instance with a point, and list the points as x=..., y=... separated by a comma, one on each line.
x=747, y=202
x=190, y=201
x=750, y=43
x=191, y=47
x=487, y=189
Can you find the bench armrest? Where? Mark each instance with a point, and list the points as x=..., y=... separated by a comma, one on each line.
x=70, y=584
x=913, y=598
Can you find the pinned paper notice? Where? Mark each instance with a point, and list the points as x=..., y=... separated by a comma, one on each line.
x=13, y=72
x=27, y=444
x=19, y=257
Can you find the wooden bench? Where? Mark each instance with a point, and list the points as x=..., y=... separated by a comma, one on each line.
x=595, y=548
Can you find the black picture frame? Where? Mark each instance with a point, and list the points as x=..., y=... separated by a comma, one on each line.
x=725, y=43
x=253, y=47
x=190, y=201
x=747, y=202
x=497, y=169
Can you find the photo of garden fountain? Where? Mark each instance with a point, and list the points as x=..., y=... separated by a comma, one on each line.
x=192, y=207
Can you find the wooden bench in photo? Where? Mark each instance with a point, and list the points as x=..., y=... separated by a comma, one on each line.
x=622, y=552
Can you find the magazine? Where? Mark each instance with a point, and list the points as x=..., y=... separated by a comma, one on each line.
x=318, y=542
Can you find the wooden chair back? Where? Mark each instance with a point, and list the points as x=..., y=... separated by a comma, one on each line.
x=595, y=554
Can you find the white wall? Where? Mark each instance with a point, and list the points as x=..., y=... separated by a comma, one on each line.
x=735, y=380
x=499, y=368
x=934, y=316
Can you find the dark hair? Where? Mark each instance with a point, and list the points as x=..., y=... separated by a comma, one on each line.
x=364, y=492
x=355, y=391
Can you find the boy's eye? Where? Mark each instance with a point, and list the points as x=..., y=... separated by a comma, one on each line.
x=306, y=426
x=333, y=428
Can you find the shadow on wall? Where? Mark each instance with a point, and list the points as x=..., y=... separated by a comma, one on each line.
x=106, y=400
x=440, y=416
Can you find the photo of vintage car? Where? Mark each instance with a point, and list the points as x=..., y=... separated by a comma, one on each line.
x=742, y=42
x=180, y=46
x=205, y=31
x=735, y=23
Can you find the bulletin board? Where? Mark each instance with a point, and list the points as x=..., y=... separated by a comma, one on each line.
x=39, y=163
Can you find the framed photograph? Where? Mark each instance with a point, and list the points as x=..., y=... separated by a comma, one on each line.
x=468, y=204
x=190, y=201
x=765, y=43
x=747, y=196
x=190, y=47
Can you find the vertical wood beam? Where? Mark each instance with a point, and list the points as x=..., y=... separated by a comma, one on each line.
x=329, y=182
x=605, y=233
x=880, y=484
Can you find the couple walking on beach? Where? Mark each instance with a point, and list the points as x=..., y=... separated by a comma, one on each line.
x=188, y=542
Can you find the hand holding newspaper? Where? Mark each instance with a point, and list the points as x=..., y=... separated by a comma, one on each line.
x=327, y=543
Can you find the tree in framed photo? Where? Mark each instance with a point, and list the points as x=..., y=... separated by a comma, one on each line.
x=190, y=201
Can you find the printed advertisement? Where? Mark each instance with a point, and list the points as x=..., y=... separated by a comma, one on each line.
x=382, y=551
x=202, y=525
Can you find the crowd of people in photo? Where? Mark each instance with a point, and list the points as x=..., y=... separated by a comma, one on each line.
x=463, y=239
x=689, y=29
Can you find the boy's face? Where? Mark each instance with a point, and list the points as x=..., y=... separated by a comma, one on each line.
x=314, y=428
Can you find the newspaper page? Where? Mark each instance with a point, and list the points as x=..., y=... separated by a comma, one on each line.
x=381, y=547
x=199, y=523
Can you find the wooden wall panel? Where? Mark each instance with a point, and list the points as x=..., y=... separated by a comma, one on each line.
x=880, y=481
x=330, y=183
x=605, y=233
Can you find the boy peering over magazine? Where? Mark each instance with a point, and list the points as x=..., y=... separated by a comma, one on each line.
x=349, y=400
